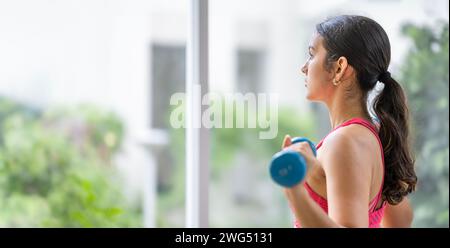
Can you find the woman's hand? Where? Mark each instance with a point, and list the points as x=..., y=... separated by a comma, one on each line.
x=305, y=150
x=297, y=191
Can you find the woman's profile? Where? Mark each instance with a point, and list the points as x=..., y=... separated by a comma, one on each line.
x=364, y=169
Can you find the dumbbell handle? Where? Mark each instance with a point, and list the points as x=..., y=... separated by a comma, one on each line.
x=288, y=167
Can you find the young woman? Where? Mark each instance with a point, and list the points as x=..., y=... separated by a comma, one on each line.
x=363, y=172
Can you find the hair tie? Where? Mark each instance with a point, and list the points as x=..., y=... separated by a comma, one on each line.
x=383, y=77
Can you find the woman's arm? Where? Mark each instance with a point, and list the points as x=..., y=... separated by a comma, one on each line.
x=400, y=215
x=304, y=208
x=347, y=184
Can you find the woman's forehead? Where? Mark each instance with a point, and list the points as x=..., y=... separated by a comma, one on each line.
x=316, y=41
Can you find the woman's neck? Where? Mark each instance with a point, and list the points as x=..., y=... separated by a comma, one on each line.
x=342, y=110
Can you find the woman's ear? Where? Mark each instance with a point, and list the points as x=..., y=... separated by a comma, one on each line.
x=341, y=68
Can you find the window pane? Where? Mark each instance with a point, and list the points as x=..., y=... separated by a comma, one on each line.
x=250, y=70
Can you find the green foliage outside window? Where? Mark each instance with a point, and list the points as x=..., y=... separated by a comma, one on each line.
x=425, y=77
x=55, y=168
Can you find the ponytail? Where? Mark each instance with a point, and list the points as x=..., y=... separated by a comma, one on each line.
x=392, y=111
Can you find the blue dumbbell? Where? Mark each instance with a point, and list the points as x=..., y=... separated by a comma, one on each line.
x=288, y=167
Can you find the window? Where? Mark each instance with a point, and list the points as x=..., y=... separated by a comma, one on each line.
x=168, y=77
x=250, y=70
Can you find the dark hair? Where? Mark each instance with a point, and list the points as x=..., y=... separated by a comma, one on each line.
x=365, y=45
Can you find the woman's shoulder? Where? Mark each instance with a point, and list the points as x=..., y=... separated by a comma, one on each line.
x=351, y=135
x=353, y=140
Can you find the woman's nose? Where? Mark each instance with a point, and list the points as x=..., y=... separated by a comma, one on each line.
x=305, y=69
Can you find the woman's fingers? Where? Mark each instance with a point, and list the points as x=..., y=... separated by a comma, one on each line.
x=287, y=141
x=305, y=150
x=303, y=147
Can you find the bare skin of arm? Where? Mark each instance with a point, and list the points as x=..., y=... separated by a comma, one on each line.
x=398, y=216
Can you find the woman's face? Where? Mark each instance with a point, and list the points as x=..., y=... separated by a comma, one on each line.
x=318, y=81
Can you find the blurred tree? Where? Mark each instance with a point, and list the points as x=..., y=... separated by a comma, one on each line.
x=53, y=169
x=426, y=80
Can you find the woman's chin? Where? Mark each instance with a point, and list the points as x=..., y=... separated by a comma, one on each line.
x=310, y=94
